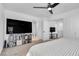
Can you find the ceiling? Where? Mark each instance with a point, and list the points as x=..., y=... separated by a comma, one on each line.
x=27, y=8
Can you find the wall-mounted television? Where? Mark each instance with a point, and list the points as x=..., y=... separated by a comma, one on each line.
x=52, y=29
x=18, y=26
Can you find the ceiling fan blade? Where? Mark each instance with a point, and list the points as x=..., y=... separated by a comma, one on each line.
x=41, y=7
x=54, y=5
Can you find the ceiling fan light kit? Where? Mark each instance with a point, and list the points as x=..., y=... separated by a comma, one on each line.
x=49, y=8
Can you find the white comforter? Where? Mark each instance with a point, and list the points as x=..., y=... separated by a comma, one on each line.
x=59, y=47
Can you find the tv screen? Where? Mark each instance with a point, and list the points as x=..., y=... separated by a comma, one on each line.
x=52, y=29
x=17, y=26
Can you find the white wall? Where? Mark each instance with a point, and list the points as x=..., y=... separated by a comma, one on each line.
x=1, y=27
x=71, y=25
x=19, y=16
x=40, y=29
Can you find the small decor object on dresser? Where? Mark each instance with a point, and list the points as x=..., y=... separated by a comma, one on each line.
x=29, y=38
x=19, y=42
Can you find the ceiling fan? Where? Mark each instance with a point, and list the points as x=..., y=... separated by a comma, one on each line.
x=49, y=7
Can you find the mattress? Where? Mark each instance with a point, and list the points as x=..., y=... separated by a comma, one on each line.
x=59, y=47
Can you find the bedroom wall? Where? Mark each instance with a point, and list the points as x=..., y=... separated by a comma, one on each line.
x=1, y=27
x=71, y=25
x=39, y=29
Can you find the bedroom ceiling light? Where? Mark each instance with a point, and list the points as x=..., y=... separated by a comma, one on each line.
x=49, y=8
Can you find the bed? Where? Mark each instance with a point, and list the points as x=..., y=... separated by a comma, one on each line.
x=59, y=47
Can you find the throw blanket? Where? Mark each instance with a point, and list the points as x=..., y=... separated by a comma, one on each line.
x=59, y=47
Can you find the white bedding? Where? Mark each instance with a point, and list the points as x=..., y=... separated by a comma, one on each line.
x=60, y=47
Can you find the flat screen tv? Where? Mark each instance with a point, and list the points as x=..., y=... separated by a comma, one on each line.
x=52, y=29
x=17, y=26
